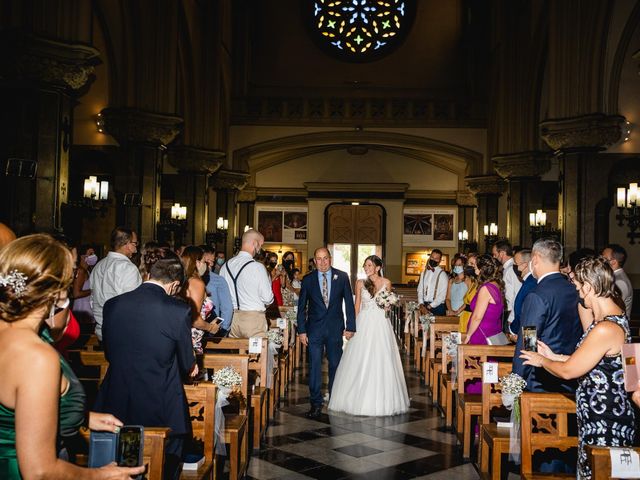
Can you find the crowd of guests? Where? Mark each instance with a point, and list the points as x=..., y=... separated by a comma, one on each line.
x=578, y=311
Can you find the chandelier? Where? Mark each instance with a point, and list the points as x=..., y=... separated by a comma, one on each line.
x=628, y=212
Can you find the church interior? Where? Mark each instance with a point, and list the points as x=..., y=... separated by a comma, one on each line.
x=388, y=128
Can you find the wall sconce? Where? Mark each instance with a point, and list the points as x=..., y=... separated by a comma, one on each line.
x=222, y=224
x=491, y=230
x=463, y=236
x=95, y=190
x=247, y=227
x=178, y=212
x=539, y=228
x=627, y=203
x=100, y=123
x=627, y=131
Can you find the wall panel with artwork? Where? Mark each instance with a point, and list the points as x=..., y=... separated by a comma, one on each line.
x=435, y=227
x=282, y=224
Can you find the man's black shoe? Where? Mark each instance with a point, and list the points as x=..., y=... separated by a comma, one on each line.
x=315, y=412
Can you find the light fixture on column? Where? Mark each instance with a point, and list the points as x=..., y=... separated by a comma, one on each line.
x=463, y=236
x=178, y=212
x=490, y=235
x=539, y=227
x=219, y=237
x=100, y=123
x=222, y=224
x=628, y=211
x=95, y=190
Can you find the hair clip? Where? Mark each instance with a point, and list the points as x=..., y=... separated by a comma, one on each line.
x=15, y=280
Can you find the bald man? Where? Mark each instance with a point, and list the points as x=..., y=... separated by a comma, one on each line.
x=250, y=288
x=6, y=235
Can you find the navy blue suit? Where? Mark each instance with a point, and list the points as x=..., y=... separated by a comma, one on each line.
x=551, y=307
x=529, y=284
x=324, y=325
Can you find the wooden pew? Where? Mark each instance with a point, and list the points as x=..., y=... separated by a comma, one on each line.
x=432, y=362
x=469, y=365
x=201, y=399
x=600, y=460
x=95, y=358
x=494, y=440
x=447, y=386
x=539, y=431
x=236, y=430
x=283, y=355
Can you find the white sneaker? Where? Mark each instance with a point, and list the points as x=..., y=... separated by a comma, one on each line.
x=326, y=397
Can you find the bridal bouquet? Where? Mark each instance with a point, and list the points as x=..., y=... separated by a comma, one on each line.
x=385, y=299
x=512, y=387
x=228, y=378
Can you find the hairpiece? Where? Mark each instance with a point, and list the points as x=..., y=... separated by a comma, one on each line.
x=16, y=280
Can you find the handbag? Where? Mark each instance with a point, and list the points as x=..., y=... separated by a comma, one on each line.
x=498, y=339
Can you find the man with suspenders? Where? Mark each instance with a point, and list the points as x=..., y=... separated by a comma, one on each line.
x=432, y=289
x=250, y=288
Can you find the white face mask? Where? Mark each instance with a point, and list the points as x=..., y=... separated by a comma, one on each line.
x=52, y=313
x=458, y=269
x=202, y=269
x=531, y=269
x=91, y=260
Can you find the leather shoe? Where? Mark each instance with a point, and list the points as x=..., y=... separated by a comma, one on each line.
x=315, y=412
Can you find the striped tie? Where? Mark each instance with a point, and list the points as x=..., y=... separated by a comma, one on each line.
x=325, y=290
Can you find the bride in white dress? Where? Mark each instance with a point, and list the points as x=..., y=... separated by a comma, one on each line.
x=370, y=380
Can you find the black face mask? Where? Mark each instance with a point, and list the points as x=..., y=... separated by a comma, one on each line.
x=518, y=273
x=469, y=271
x=287, y=264
x=273, y=264
x=433, y=263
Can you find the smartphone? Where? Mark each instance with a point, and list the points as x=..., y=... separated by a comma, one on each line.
x=218, y=320
x=529, y=339
x=130, y=446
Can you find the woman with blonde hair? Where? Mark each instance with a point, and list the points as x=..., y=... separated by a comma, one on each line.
x=471, y=280
x=40, y=410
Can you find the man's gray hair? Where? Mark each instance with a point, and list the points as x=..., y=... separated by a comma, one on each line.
x=549, y=249
x=525, y=253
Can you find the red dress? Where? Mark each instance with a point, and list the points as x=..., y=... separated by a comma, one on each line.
x=276, y=286
x=69, y=337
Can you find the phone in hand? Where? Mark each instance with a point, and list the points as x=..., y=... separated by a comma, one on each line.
x=130, y=446
x=218, y=320
x=529, y=339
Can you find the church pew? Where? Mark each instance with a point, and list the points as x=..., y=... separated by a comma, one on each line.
x=95, y=358
x=432, y=359
x=544, y=423
x=201, y=398
x=600, y=460
x=283, y=354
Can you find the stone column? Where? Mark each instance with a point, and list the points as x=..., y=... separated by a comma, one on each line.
x=487, y=190
x=520, y=169
x=143, y=137
x=227, y=184
x=196, y=165
x=39, y=81
x=574, y=141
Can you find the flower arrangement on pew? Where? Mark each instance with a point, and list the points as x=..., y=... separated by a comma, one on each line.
x=229, y=382
x=292, y=316
x=227, y=378
x=275, y=337
x=512, y=387
x=426, y=321
x=386, y=299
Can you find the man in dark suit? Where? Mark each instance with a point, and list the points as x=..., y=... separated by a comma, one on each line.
x=521, y=261
x=321, y=322
x=552, y=308
x=147, y=341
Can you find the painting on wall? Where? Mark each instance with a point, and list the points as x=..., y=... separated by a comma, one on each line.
x=415, y=262
x=418, y=224
x=443, y=229
x=278, y=225
x=295, y=227
x=270, y=225
x=429, y=227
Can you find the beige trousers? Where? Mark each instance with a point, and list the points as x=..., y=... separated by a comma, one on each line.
x=247, y=324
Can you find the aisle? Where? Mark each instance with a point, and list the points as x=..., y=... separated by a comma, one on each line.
x=343, y=446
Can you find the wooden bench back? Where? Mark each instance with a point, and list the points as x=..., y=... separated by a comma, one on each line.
x=436, y=330
x=544, y=424
x=95, y=358
x=600, y=460
x=492, y=392
x=201, y=398
x=471, y=358
x=240, y=363
x=286, y=332
x=257, y=363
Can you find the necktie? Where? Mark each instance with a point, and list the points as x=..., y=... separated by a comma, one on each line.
x=325, y=290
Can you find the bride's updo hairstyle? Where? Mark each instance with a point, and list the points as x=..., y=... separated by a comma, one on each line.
x=33, y=271
x=368, y=284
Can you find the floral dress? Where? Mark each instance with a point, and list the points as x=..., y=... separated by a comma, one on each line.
x=605, y=415
x=196, y=333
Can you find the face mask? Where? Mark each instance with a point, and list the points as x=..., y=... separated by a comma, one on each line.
x=458, y=269
x=202, y=269
x=288, y=263
x=91, y=260
x=55, y=309
x=220, y=261
x=531, y=269
x=433, y=263
x=517, y=272
x=273, y=263
x=469, y=271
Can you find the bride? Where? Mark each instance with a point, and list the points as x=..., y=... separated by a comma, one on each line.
x=370, y=380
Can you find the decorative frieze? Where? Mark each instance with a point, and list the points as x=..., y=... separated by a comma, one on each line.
x=522, y=164
x=187, y=159
x=229, y=180
x=486, y=185
x=593, y=131
x=129, y=125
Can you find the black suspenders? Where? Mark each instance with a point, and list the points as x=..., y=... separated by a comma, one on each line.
x=235, y=279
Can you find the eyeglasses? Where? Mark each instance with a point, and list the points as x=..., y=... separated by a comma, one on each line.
x=58, y=308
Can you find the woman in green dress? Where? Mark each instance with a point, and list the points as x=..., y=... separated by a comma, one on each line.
x=41, y=400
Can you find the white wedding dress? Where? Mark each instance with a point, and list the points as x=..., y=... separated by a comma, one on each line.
x=370, y=380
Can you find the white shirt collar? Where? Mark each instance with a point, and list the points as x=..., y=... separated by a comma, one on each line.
x=508, y=263
x=526, y=276
x=546, y=275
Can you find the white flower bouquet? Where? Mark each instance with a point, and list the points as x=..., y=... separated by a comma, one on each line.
x=385, y=299
x=228, y=378
x=274, y=336
x=411, y=306
x=292, y=316
x=512, y=387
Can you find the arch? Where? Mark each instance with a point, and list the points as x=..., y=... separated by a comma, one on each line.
x=459, y=160
x=618, y=60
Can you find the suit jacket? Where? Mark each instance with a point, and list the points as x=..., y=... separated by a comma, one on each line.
x=551, y=307
x=147, y=341
x=529, y=284
x=316, y=319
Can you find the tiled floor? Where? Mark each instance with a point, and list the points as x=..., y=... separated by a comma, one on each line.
x=340, y=446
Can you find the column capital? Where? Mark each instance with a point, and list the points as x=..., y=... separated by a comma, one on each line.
x=188, y=159
x=586, y=132
x=248, y=194
x=485, y=185
x=229, y=180
x=129, y=125
x=464, y=198
x=522, y=164
x=28, y=57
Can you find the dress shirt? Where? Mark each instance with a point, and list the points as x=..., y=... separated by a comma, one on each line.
x=427, y=287
x=328, y=272
x=254, y=284
x=512, y=286
x=112, y=276
x=546, y=275
x=221, y=297
x=528, y=284
x=624, y=284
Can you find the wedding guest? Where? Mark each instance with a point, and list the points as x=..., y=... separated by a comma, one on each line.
x=432, y=288
x=487, y=307
x=606, y=419
x=6, y=235
x=289, y=263
x=276, y=273
x=521, y=262
x=296, y=284
x=209, y=258
x=250, y=288
x=40, y=411
x=311, y=265
x=551, y=308
x=457, y=288
x=503, y=252
x=616, y=255
x=220, y=261
x=82, y=285
x=195, y=293
x=271, y=260
x=147, y=342
x=115, y=274
x=472, y=287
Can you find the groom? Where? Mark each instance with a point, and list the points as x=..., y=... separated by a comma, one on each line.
x=321, y=321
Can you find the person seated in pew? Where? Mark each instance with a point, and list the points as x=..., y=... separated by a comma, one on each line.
x=147, y=342
x=41, y=399
x=604, y=412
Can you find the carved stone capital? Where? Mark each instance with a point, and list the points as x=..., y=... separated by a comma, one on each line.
x=229, y=180
x=594, y=131
x=128, y=125
x=248, y=194
x=486, y=185
x=522, y=164
x=464, y=198
x=187, y=159
x=29, y=57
